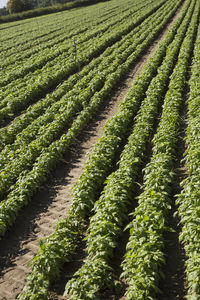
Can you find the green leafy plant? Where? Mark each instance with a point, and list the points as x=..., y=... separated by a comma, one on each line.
x=52, y=152
x=188, y=200
x=111, y=208
x=145, y=256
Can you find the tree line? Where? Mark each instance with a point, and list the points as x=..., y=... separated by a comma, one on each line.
x=15, y=6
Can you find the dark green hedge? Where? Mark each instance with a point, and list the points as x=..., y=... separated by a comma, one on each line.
x=47, y=10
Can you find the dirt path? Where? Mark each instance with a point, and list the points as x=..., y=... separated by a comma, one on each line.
x=37, y=220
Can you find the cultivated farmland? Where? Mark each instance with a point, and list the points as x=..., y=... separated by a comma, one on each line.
x=100, y=153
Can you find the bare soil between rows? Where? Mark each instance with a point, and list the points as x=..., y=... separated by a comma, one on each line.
x=53, y=200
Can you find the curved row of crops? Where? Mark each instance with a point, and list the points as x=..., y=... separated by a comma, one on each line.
x=97, y=66
x=61, y=70
x=23, y=91
x=63, y=49
x=59, y=41
x=110, y=210
x=66, y=45
x=26, y=33
x=143, y=256
x=189, y=199
x=36, y=148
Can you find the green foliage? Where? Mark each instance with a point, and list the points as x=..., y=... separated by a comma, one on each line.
x=188, y=200
x=34, y=143
x=80, y=207
x=3, y=11
x=145, y=256
x=51, y=73
x=23, y=157
x=28, y=146
x=14, y=6
x=27, y=4
x=45, y=10
x=110, y=210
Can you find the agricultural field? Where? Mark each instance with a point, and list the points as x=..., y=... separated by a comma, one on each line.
x=100, y=153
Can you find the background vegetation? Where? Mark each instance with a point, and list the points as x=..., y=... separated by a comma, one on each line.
x=23, y=9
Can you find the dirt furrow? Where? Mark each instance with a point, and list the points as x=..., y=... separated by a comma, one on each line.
x=37, y=220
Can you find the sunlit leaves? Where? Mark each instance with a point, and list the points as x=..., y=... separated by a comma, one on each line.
x=189, y=198
x=145, y=255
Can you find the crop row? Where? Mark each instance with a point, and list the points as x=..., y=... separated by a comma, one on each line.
x=189, y=199
x=104, y=152
x=75, y=82
x=125, y=28
x=40, y=147
x=32, y=28
x=58, y=47
x=39, y=60
x=29, y=30
x=22, y=91
x=28, y=26
x=110, y=211
x=60, y=246
x=53, y=32
x=55, y=37
x=145, y=249
x=47, y=127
